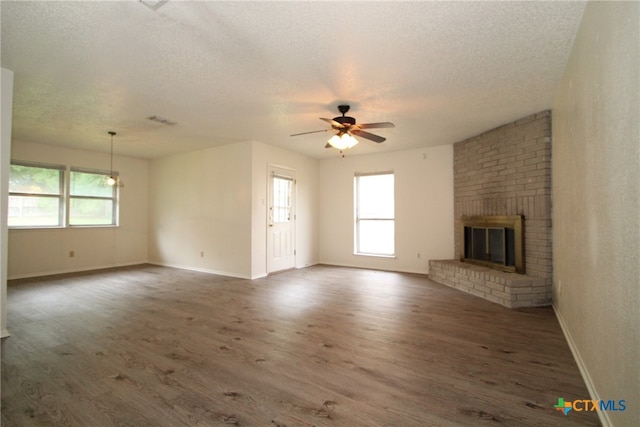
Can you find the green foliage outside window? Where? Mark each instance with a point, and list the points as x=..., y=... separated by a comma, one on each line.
x=35, y=196
x=92, y=200
x=90, y=184
x=35, y=180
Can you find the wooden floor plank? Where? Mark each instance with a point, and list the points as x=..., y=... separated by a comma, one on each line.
x=321, y=346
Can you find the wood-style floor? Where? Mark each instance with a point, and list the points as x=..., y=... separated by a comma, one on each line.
x=321, y=346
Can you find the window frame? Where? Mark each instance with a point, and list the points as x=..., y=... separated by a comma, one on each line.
x=282, y=206
x=65, y=197
x=358, y=218
x=114, y=197
x=61, y=195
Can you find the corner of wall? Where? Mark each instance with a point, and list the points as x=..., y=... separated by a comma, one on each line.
x=6, y=109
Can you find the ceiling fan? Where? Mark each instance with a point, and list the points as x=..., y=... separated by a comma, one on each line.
x=347, y=128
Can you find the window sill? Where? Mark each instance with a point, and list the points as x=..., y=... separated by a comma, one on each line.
x=376, y=255
x=93, y=226
x=39, y=227
x=59, y=227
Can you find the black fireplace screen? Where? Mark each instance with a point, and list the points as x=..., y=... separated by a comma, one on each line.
x=489, y=244
x=493, y=241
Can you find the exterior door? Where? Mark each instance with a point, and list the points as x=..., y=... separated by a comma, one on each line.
x=281, y=249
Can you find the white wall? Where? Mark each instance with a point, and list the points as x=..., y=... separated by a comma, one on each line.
x=6, y=109
x=214, y=201
x=423, y=205
x=36, y=252
x=596, y=204
x=200, y=210
x=306, y=223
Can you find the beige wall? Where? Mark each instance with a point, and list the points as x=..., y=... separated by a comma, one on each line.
x=424, y=208
x=36, y=252
x=596, y=204
x=200, y=210
x=214, y=201
x=306, y=234
x=206, y=210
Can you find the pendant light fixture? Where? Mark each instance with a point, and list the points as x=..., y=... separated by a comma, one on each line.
x=113, y=178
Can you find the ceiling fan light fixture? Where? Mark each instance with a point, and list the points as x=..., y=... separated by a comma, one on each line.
x=346, y=126
x=342, y=141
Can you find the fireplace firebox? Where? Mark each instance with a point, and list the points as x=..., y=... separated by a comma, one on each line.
x=493, y=241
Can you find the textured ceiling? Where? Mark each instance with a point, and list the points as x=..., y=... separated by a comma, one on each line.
x=226, y=72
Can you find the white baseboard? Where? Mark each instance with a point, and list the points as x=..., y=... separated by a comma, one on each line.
x=369, y=267
x=202, y=270
x=222, y=273
x=72, y=270
x=593, y=394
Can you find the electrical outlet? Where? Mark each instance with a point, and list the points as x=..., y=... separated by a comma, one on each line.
x=201, y=254
x=559, y=287
x=72, y=254
x=419, y=255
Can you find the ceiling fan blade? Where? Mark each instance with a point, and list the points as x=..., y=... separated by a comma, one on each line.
x=313, y=131
x=367, y=135
x=336, y=125
x=376, y=125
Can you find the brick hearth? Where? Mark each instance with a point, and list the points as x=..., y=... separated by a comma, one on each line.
x=507, y=289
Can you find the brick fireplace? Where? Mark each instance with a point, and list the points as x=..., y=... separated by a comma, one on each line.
x=505, y=172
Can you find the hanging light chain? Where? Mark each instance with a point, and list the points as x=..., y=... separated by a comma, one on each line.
x=112, y=180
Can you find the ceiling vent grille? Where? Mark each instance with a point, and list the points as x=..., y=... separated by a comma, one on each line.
x=154, y=4
x=161, y=120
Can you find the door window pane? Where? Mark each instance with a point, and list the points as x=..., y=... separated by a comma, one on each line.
x=282, y=187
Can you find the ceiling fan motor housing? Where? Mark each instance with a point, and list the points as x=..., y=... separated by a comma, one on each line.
x=345, y=120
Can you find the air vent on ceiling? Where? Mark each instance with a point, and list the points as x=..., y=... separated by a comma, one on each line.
x=161, y=120
x=153, y=4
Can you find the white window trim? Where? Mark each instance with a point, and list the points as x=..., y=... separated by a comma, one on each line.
x=114, y=197
x=65, y=196
x=357, y=218
x=61, y=195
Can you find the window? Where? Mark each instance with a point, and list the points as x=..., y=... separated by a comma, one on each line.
x=374, y=214
x=36, y=195
x=282, y=187
x=91, y=200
